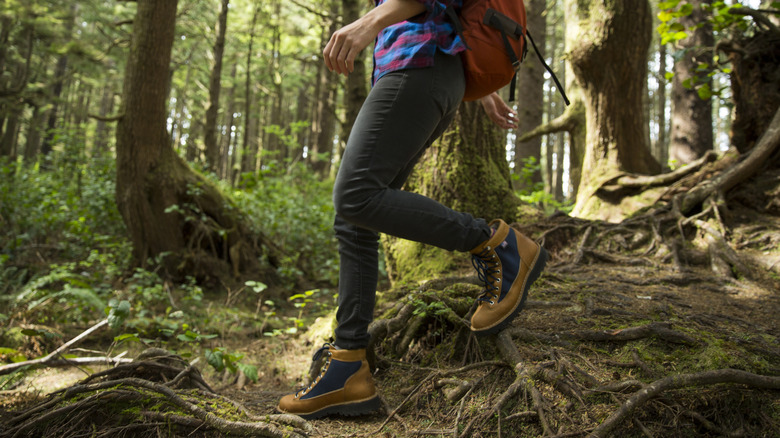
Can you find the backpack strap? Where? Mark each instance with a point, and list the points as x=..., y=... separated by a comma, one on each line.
x=507, y=27
x=549, y=70
x=455, y=20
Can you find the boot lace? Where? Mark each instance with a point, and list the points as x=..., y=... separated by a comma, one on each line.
x=325, y=349
x=488, y=268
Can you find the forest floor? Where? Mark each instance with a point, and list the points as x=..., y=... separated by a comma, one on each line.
x=594, y=335
x=635, y=329
x=572, y=334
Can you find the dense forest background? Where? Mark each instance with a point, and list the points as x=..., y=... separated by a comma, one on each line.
x=165, y=224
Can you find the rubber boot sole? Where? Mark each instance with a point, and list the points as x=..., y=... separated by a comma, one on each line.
x=348, y=410
x=536, y=271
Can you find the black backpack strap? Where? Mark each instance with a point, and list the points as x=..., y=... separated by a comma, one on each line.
x=549, y=70
x=508, y=28
x=453, y=16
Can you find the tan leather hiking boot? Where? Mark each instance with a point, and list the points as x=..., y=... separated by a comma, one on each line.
x=508, y=263
x=344, y=387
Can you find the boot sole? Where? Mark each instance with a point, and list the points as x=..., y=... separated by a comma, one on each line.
x=536, y=271
x=348, y=410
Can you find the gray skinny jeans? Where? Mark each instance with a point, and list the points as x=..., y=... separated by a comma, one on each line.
x=404, y=113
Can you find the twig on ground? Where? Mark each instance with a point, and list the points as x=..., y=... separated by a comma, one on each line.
x=43, y=361
x=681, y=381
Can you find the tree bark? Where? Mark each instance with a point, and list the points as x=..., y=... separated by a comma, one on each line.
x=225, y=149
x=33, y=136
x=530, y=85
x=755, y=84
x=661, y=148
x=100, y=145
x=274, y=146
x=691, y=132
x=168, y=209
x=56, y=89
x=177, y=130
x=249, y=142
x=210, y=135
x=610, y=63
x=322, y=153
x=10, y=134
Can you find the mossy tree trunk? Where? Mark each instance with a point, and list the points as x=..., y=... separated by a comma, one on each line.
x=467, y=170
x=169, y=209
x=609, y=61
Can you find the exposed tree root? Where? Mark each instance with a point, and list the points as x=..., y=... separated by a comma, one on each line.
x=114, y=401
x=659, y=330
x=682, y=381
x=564, y=383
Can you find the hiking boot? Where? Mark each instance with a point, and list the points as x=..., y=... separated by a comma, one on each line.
x=344, y=387
x=507, y=263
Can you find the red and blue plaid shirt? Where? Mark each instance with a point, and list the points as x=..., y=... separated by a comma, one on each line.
x=413, y=43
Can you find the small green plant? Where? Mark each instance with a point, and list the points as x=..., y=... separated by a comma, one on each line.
x=533, y=193
x=221, y=359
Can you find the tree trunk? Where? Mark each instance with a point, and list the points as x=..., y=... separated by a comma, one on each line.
x=177, y=130
x=322, y=153
x=249, y=150
x=691, y=133
x=210, y=136
x=33, y=136
x=357, y=88
x=225, y=147
x=273, y=146
x=530, y=108
x=661, y=148
x=100, y=145
x=550, y=138
x=610, y=63
x=755, y=84
x=472, y=149
x=167, y=208
x=10, y=134
x=56, y=90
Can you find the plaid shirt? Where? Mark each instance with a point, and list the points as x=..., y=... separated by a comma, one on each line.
x=413, y=43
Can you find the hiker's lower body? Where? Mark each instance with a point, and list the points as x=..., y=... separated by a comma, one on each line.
x=402, y=116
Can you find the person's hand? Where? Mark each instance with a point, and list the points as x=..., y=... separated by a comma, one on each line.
x=345, y=44
x=498, y=111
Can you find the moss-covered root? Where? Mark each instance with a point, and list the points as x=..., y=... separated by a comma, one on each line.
x=142, y=405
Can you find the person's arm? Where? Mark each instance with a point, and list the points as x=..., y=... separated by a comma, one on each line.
x=498, y=111
x=345, y=44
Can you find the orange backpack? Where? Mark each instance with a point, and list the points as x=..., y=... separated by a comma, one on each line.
x=495, y=33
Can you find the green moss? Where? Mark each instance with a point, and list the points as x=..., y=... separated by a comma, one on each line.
x=415, y=262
